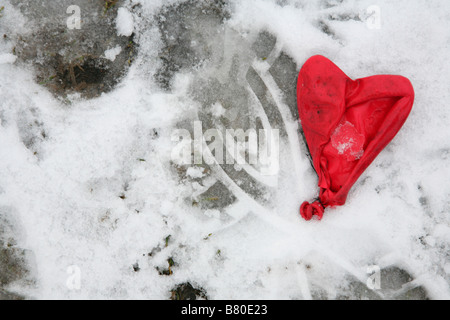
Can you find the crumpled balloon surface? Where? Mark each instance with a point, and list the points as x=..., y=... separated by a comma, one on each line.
x=346, y=124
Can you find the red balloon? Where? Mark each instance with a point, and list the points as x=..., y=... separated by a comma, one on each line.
x=346, y=124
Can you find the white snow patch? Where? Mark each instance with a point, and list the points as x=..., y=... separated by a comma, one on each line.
x=111, y=54
x=124, y=22
x=7, y=58
x=217, y=110
x=195, y=172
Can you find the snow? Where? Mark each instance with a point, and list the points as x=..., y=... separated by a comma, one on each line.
x=124, y=23
x=7, y=58
x=111, y=54
x=195, y=172
x=99, y=191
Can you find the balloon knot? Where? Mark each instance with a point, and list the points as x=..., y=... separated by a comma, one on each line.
x=308, y=210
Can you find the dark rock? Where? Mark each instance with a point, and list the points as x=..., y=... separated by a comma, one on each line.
x=72, y=60
x=186, y=291
x=14, y=261
x=217, y=197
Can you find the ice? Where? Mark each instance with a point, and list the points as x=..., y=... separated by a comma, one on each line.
x=88, y=183
x=347, y=141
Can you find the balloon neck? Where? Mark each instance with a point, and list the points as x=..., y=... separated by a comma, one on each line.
x=308, y=211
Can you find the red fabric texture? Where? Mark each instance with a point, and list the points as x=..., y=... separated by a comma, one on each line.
x=346, y=124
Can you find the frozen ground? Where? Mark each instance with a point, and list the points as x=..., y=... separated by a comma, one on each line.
x=92, y=204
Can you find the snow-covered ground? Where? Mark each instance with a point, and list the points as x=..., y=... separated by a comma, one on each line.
x=93, y=204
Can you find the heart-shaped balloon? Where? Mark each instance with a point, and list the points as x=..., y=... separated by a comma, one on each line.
x=346, y=124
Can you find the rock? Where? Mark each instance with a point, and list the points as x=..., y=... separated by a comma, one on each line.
x=14, y=261
x=186, y=291
x=75, y=60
